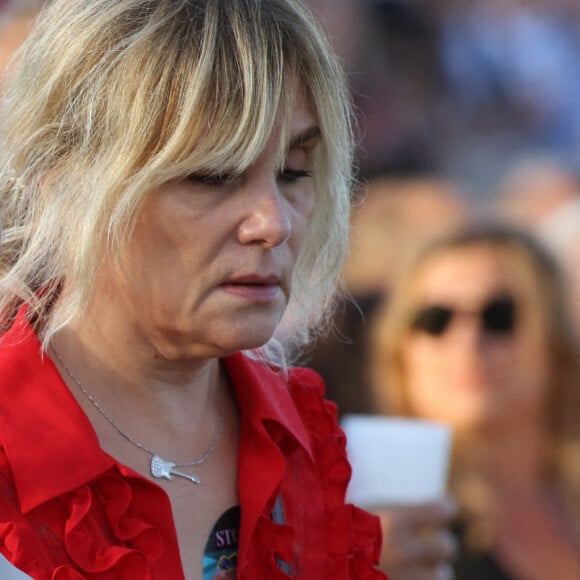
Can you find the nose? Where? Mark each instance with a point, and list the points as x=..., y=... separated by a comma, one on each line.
x=266, y=221
x=465, y=338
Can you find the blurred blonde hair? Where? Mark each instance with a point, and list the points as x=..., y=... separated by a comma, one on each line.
x=115, y=97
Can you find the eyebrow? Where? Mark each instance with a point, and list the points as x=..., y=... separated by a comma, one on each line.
x=305, y=137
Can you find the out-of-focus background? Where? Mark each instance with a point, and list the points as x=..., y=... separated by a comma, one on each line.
x=466, y=109
x=463, y=89
x=469, y=111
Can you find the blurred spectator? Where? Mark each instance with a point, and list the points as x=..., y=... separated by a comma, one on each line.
x=461, y=89
x=476, y=334
x=513, y=84
x=514, y=54
x=389, y=52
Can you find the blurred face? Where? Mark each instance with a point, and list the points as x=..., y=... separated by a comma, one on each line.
x=468, y=359
x=208, y=269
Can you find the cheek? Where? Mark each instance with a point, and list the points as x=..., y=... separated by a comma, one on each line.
x=424, y=374
x=528, y=372
x=305, y=206
x=155, y=260
x=146, y=254
x=421, y=357
x=302, y=221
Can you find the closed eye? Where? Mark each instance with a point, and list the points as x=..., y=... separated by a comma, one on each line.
x=292, y=175
x=211, y=179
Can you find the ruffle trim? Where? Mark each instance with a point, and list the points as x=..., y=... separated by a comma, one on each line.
x=356, y=545
x=101, y=537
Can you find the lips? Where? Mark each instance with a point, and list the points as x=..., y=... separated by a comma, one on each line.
x=253, y=287
x=254, y=280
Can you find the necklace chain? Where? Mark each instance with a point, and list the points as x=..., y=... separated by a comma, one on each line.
x=128, y=438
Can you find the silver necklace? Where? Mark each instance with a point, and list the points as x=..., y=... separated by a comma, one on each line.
x=160, y=468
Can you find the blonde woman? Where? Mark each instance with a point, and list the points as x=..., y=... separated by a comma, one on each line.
x=476, y=334
x=175, y=191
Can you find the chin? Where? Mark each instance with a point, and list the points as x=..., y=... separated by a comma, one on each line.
x=254, y=334
x=250, y=340
x=258, y=342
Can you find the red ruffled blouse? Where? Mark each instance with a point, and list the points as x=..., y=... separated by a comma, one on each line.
x=70, y=511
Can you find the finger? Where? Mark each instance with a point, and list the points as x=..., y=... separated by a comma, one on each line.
x=445, y=572
x=430, y=514
x=399, y=522
x=419, y=573
x=428, y=549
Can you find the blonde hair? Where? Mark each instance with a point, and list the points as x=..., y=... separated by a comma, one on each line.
x=115, y=97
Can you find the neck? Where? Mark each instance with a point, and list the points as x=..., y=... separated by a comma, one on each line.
x=164, y=405
x=121, y=353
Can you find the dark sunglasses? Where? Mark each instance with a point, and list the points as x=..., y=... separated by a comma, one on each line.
x=496, y=317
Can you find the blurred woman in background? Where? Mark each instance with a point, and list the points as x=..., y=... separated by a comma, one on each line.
x=476, y=334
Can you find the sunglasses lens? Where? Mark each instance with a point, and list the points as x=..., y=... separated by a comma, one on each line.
x=433, y=319
x=499, y=316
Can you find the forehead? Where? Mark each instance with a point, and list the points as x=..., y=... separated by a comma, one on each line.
x=466, y=275
x=297, y=113
x=296, y=127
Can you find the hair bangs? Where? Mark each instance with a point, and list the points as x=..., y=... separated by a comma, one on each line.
x=225, y=110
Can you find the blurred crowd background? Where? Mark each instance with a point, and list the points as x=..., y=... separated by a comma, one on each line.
x=466, y=111
x=464, y=265
x=463, y=89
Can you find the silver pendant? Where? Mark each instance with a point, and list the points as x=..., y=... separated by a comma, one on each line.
x=165, y=469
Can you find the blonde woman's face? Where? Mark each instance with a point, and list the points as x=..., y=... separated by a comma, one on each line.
x=208, y=270
x=468, y=359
